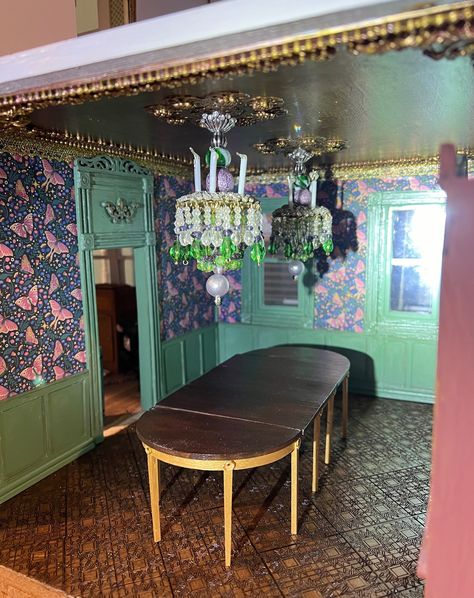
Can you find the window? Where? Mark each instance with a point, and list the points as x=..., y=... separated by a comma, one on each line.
x=269, y=294
x=404, y=263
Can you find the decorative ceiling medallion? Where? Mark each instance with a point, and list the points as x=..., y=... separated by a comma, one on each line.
x=316, y=146
x=245, y=109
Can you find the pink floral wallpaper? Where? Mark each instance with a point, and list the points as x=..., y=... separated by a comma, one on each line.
x=184, y=303
x=41, y=327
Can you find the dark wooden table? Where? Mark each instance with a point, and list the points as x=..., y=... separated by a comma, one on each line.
x=247, y=412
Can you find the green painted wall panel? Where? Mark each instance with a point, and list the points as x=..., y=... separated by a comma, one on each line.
x=423, y=364
x=42, y=430
x=23, y=436
x=173, y=361
x=209, y=348
x=193, y=356
x=68, y=417
x=380, y=364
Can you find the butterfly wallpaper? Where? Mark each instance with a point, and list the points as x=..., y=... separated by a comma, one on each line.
x=41, y=326
x=184, y=303
x=340, y=291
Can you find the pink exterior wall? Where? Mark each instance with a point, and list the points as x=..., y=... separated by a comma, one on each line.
x=31, y=23
x=448, y=547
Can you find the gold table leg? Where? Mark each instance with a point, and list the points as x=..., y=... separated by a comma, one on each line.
x=345, y=406
x=228, y=474
x=330, y=417
x=294, y=488
x=316, y=442
x=154, y=481
x=227, y=467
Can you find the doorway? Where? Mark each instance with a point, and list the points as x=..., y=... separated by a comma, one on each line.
x=117, y=250
x=117, y=319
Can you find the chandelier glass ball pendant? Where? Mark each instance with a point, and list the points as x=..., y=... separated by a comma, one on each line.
x=301, y=227
x=216, y=225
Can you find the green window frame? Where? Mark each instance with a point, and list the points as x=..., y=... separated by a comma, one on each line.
x=254, y=309
x=380, y=316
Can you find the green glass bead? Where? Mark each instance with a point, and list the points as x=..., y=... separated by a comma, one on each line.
x=234, y=265
x=175, y=252
x=204, y=266
x=228, y=248
x=308, y=248
x=288, y=251
x=186, y=253
x=220, y=261
x=272, y=248
x=197, y=249
x=302, y=181
x=257, y=252
x=328, y=246
x=221, y=161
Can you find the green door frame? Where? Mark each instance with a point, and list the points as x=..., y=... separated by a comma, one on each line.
x=125, y=220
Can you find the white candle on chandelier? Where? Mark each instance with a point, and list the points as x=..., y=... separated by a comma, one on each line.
x=242, y=173
x=314, y=187
x=290, y=191
x=213, y=171
x=197, y=170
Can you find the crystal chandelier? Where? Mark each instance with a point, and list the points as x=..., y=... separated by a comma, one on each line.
x=215, y=226
x=301, y=227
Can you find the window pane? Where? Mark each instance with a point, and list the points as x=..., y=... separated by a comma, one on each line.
x=402, y=234
x=417, y=242
x=409, y=290
x=278, y=286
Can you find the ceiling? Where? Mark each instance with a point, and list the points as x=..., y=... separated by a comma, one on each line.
x=391, y=106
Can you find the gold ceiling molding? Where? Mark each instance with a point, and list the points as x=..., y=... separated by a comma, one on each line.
x=247, y=110
x=440, y=31
x=58, y=145
x=317, y=146
x=407, y=167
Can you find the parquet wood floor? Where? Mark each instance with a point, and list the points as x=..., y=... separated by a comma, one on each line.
x=87, y=528
x=121, y=399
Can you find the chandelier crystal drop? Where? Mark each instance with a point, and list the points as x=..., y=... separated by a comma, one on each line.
x=216, y=225
x=301, y=227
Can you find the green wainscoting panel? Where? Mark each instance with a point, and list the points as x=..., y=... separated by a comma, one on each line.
x=193, y=356
x=174, y=367
x=69, y=420
x=381, y=365
x=26, y=422
x=423, y=365
x=42, y=430
x=187, y=357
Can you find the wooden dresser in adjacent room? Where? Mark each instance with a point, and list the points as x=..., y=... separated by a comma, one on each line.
x=116, y=305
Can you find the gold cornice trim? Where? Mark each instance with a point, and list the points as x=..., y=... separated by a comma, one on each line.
x=406, y=167
x=430, y=29
x=60, y=146
x=57, y=145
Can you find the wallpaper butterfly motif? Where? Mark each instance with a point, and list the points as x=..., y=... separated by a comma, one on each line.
x=184, y=304
x=40, y=307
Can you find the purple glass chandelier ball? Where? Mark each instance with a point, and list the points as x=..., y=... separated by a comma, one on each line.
x=303, y=197
x=225, y=180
